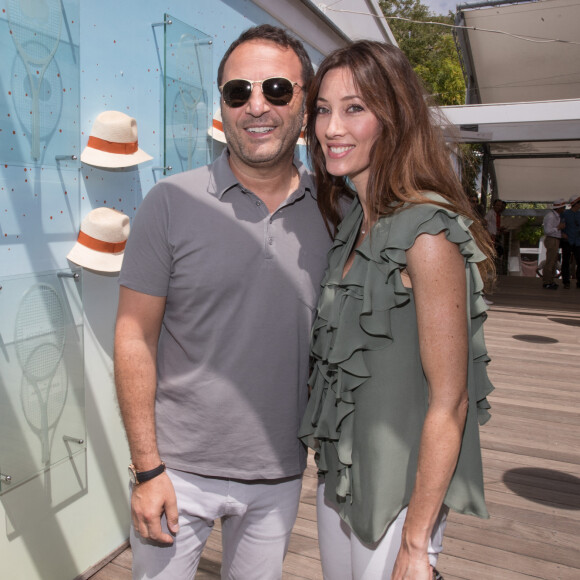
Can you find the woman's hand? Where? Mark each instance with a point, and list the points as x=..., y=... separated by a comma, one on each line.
x=412, y=566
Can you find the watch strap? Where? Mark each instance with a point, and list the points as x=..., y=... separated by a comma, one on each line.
x=143, y=476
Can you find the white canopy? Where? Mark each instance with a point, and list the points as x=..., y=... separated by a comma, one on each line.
x=326, y=29
x=522, y=63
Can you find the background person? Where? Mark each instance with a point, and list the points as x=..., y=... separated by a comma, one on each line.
x=219, y=283
x=399, y=358
x=493, y=220
x=571, y=235
x=553, y=233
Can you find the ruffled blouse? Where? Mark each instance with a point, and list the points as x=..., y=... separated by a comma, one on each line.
x=369, y=392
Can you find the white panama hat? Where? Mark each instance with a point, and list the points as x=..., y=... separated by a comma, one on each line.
x=559, y=203
x=113, y=142
x=101, y=242
x=216, y=131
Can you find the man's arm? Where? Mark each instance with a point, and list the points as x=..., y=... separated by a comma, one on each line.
x=139, y=319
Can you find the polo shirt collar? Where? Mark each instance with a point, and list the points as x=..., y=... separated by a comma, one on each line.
x=222, y=178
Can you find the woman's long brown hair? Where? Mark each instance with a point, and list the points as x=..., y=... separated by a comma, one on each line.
x=410, y=156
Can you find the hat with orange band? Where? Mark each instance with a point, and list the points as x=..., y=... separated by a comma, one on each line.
x=216, y=131
x=101, y=242
x=113, y=142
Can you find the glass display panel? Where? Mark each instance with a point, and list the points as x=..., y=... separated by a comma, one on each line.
x=42, y=397
x=188, y=96
x=39, y=81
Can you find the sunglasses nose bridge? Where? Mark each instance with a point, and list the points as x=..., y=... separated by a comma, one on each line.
x=254, y=83
x=257, y=99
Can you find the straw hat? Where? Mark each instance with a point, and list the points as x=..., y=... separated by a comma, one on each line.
x=113, y=142
x=216, y=131
x=101, y=242
x=574, y=199
x=559, y=203
x=301, y=139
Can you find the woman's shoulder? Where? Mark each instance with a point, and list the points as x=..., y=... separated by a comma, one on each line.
x=412, y=218
x=398, y=231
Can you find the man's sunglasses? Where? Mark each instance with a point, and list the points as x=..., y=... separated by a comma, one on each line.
x=277, y=91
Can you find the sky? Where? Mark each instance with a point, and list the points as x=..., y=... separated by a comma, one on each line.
x=444, y=6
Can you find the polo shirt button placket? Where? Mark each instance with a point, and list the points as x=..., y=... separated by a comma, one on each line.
x=269, y=239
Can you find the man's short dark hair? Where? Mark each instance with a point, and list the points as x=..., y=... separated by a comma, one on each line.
x=278, y=36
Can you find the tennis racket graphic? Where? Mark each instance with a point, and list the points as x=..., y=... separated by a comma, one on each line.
x=43, y=401
x=189, y=73
x=39, y=344
x=35, y=28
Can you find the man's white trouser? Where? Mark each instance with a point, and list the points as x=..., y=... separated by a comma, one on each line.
x=257, y=520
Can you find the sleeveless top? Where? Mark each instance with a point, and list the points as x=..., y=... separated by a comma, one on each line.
x=369, y=393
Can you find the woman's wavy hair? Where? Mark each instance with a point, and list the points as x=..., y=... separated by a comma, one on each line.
x=409, y=157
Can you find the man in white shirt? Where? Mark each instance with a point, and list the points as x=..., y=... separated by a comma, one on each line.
x=493, y=221
x=553, y=227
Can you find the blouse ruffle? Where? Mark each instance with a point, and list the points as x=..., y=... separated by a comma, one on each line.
x=355, y=317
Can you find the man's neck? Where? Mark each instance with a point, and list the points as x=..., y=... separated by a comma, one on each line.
x=273, y=185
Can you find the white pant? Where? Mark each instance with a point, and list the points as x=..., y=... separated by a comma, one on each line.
x=345, y=557
x=257, y=520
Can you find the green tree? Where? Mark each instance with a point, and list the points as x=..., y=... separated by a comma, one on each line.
x=429, y=47
x=432, y=52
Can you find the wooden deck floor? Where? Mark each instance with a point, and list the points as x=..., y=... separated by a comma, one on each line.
x=531, y=452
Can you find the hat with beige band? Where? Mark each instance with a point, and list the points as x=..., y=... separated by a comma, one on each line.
x=101, y=242
x=113, y=142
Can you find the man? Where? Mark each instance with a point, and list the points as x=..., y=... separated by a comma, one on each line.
x=478, y=207
x=571, y=240
x=493, y=221
x=218, y=289
x=553, y=234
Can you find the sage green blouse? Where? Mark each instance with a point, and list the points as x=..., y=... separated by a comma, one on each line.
x=369, y=392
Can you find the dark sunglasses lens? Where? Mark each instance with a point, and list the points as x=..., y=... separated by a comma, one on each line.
x=278, y=91
x=236, y=93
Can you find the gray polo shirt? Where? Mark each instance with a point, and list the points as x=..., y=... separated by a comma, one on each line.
x=241, y=287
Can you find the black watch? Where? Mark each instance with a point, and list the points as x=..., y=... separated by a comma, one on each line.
x=138, y=477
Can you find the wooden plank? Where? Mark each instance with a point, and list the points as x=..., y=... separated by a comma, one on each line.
x=124, y=559
x=453, y=567
x=500, y=444
x=300, y=566
x=553, y=521
x=113, y=572
x=210, y=563
x=507, y=460
x=491, y=537
x=306, y=528
x=508, y=528
x=502, y=558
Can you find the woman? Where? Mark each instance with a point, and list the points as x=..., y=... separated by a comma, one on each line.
x=399, y=358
